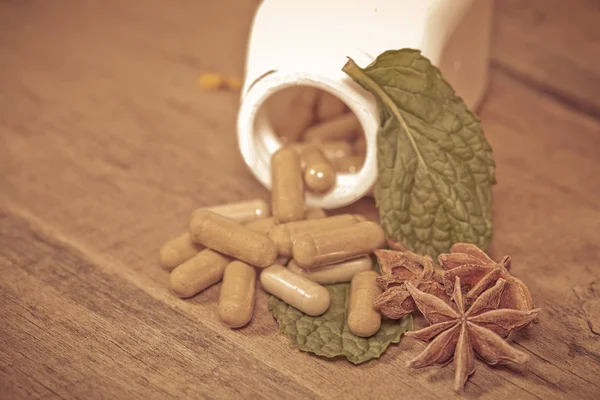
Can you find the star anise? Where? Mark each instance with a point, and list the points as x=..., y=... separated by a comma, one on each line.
x=400, y=267
x=458, y=334
x=478, y=272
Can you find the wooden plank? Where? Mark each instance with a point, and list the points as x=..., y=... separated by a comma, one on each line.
x=553, y=45
x=72, y=330
x=108, y=146
x=76, y=328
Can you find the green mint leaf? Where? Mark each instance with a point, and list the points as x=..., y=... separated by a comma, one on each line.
x=328, y=335
x=436, y=169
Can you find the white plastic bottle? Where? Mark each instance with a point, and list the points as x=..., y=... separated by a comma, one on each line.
x=307, y=42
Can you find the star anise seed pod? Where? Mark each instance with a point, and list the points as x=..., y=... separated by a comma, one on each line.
x=456, y=334
x=407, y=265
x=398, y=268
x=395, y=302
x=478, y=272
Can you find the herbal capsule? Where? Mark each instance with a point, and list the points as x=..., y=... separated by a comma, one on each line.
x=264, y=226
x=360, y=146
x=319, y=175
x=207, y=269
x=344, y=127
x=182, y=248
x=178, y=250
x=291, y=111
x=243, y=211
x=284, y=235
x=261, y=225
x=299, y=292
x=350, y=164
x=287, y=188
x=334, y=273
x=236, y=301
x=316, y=249
x=363, y=319
x=332, y=149
x=199, y=272
x=228, y=237
x=281, y=260
x=315, y=213
x=329, y=106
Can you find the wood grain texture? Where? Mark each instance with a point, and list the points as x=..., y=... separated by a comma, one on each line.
x=107, y=146
x=551, y=45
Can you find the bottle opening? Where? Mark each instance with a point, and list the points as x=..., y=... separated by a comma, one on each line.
x=301, y=116
x=329, y=112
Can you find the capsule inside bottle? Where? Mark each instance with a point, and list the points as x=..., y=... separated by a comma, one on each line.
x=287, y=186
x=319, y=175
x=333, y=150
x=329, y=106
x=343, y=127
x=349, y=164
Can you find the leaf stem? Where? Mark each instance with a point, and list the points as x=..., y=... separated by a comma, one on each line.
x=363, y=79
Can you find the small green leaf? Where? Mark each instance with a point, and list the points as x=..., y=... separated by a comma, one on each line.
x=436, y=169
x=328, y=335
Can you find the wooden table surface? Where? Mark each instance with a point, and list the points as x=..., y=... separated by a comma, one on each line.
x=107, y=145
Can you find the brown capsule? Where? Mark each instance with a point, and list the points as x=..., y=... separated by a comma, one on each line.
x=333, y=273
x=319, y=175
x=265, y=226
x=297, y=291
x=233, y=239
x=207, y=269
x=316, y=249
x=363, y=319
x=198, y=273
x=332, y=149
x=178, y=250
x=281, y=260
x=287, y=187
x=349, y=165
x=291, y=111
x=329, y=106
x=344, y=127
x=242, y=211
x=284, y=235
x=315, y=213
x=261, y=225
x=236, y=301
x=360, y=146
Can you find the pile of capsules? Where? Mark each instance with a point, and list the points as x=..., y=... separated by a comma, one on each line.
x=297, y=249
x=324, y=132
x=232, y=242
